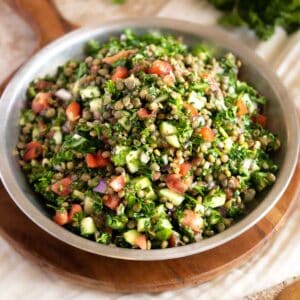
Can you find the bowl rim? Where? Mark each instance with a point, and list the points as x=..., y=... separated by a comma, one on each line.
x=212, y=33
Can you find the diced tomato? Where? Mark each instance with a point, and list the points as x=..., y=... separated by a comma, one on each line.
x=120, y=55
x=91, y=160
x=120, y=73
x=141, y=242
x=144, y=113
x=241, y=108
x=260, y=119
x=33, y=150
x=111, y=201
x=160, y=68
x=169, y=79
x=96, y=160
x=73, y=111
x=207, y=134
x=176, y=183
x=191, y=109
x=192, y=220
x=185, y=168
x=75, y=208
x=40, y=102
x=62, y=187
x=61, y=217
x=118, y=183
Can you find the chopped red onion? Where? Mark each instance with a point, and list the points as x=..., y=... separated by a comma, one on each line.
x=101, y=187
x=63, y=94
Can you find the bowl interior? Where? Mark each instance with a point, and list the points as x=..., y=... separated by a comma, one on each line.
x=280, y=113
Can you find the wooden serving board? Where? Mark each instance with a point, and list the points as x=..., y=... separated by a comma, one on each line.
x=119, y=275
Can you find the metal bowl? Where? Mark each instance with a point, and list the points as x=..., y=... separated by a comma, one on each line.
x=280, y=112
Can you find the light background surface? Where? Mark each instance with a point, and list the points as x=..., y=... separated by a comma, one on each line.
x=21, y=279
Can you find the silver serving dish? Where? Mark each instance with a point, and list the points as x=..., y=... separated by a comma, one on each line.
x=280, y=111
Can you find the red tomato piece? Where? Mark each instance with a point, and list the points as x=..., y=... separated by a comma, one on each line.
x=96, y=160
x=120, y=55
x=242, y=108
x=143, y=113
x=117, y=183
x=176, y=183
x=73, y=111
x=160, y=68
x=260, y=119
x=102, y=161
x=61, y=217
x=192, y=220
x=40, y=102
x=75, y=208
x=207, y=134
x=185, y=168
x=62, y=187
x=191, y=109
x=119, y=73
x=111, y=201
x=141, y=242
x=91, y=160
x=33, y=150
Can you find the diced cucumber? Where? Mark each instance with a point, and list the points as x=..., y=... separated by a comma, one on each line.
x=167, y=129
x=197, y=100
x=131, y=236
x=215, y=200
x=88, y=205
x=119, y=155
x=163, y=229
x=132, y=161
x=173, y=140
x=143, y=224
x=143, y=183
x=171, y=196
x=89, y=92
x=159, y=212
x=87, y=226
x=95, y=105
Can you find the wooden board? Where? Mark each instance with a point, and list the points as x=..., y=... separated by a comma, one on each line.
x=128, y=276
x=119, y=275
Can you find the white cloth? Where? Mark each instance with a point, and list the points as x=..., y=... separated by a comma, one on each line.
x=275, y=263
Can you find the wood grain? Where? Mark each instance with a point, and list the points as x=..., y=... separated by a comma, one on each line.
x=291, y=292
x=119, y=275
x=127, y=276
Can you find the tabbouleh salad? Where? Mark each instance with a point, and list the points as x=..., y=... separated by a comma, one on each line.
x=146, y=143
